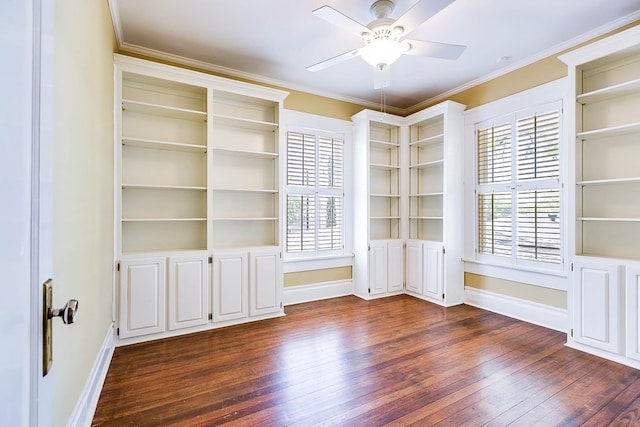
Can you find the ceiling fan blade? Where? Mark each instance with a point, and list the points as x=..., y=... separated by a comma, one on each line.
x=381, y=76
x=435, y=50
x=334, y=17
x=333, y=61
x=419, y=13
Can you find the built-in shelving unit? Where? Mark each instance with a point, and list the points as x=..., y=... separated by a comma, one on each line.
x=605, y=204
x=197, y=210
x=163, y=174
x=607, y=127
x=426, y=163
x=408, y=204
x=245, y=157
x=384, y=180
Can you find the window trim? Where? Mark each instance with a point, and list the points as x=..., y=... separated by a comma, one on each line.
x=548, y=93
x=294, y=121
x=515, y=186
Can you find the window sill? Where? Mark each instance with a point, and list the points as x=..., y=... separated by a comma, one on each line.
x=531, y=276
x=317, y=263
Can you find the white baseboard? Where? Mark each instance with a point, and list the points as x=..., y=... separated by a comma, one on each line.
x=88, y=401
x=528, y=311
x=317, y=291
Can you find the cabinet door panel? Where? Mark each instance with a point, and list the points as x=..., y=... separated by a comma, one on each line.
x=395, y=252
x=433, y=265
x=633, y=311
x=142, y=297
x=596, y=306
x=188, y=292
x=378, y=268
x=414, y=266
x=230, y=285
x=266, y=283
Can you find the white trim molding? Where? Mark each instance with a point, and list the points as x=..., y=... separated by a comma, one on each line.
x=527, y=311
x=85, y=408
x=317, y=291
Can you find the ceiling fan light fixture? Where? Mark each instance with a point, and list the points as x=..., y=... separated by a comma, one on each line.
x=383, y=51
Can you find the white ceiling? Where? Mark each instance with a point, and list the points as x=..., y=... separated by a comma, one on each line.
x=273, y=41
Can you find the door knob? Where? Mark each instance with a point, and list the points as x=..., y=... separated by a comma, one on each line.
x=68, y=313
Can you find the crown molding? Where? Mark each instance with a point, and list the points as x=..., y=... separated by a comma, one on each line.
x=231, y=72
x=555, y=50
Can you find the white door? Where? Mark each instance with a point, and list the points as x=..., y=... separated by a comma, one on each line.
x=265, y=276
x=414, y=266
x=188, y=291
x=377, y=267
x=142, y=297
x=433, y=265
x=395, y=266
x=596, y=305
x=230, y=286
x=25, y=217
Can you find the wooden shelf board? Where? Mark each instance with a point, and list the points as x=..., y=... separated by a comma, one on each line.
x=384, y=217
x=240, y=122
x=608, y=181
x=428, y=140
x=246, y=219
x=607, y=219
x=384, y=143
x=619, y=90
x=384, y=195
x=244, y=190
x=163, y=219
x=609, y=132
x=163, y=145
x=426, y=165
x=163, y=187
x=426, y=217
x=163, y=110
x=246, y=153
x=381, y=166
x=436, y=193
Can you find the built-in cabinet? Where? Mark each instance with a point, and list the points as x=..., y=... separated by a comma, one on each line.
x=197, y=210
x=408, y=204
x=605, y=208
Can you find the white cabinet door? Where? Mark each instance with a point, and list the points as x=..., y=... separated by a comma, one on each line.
x=378, y=267
x=596, y=305
x=395, y=265
x=142, y=297
x=188, y=291
x=433, y=270
x=265, y=276
x=414, y=266
x=230, y=286
x=632, y=298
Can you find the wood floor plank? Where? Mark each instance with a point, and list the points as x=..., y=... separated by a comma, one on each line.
x=392, y=361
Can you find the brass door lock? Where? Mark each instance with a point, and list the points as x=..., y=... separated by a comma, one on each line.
x=68, y=315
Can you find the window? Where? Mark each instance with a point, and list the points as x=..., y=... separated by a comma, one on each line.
x=315, y=194
x=518, y=187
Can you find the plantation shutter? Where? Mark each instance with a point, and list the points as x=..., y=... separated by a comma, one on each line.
x=494, y=198
x=518, y=187
x=538, y=146
x=314, y=193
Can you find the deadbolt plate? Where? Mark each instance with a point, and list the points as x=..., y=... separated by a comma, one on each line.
x=47, y=327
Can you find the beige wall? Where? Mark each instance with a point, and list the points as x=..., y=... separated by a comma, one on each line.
x=317, y=276
x=82, y=192
x=538, y=73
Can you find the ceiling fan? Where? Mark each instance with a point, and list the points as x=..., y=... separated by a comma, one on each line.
x=383, y=37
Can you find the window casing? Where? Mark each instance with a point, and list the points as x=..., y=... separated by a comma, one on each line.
x=314, y=194
x=518, y=189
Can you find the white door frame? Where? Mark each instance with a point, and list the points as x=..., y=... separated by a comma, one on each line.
x=26, y=44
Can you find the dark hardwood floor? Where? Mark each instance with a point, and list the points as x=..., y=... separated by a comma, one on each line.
x=393, y=361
